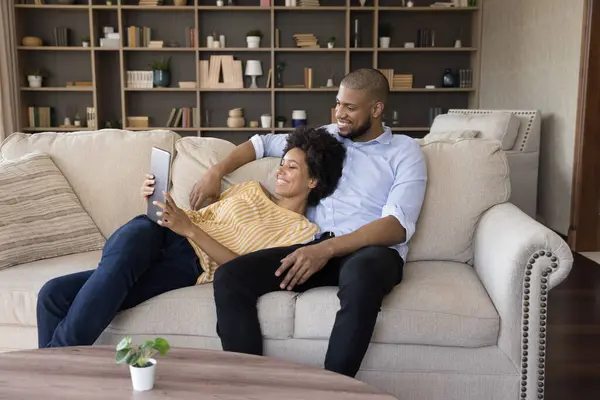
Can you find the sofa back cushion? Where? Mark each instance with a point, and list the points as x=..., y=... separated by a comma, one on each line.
x=196, y=155
x=499, y=125
x=465, y=178
x=41, y=216
x=105, y=168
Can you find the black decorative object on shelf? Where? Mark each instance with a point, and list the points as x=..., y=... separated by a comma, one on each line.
x=279, y=74
x=449, y=79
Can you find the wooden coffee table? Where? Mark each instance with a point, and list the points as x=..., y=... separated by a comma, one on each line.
x=91, y=373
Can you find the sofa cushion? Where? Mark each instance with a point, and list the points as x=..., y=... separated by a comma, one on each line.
x=437, y=303
x=196, y=155
x=20, y=285
x=498, y=125
x=105, y=168
x=465, y=178
x=191, y=311
x=41, y=216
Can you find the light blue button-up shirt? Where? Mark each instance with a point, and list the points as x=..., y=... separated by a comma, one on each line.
x=385, y=176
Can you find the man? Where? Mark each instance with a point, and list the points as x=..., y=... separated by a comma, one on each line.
x=365, y=226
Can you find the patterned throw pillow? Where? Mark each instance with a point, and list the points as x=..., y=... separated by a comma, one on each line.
x=41, y=215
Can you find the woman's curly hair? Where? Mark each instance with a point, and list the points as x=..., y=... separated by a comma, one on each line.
x=324, y=156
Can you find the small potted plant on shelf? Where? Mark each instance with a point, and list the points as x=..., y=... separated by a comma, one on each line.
x=385, y=32
x=331, y=42
x=35, y=77
x=265, y=120
x=85, y=41
x=161, y=72
x=281, y=120
x=139, y=358
x=253, y=38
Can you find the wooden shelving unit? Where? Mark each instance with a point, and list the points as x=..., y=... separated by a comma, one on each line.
x=114, y=101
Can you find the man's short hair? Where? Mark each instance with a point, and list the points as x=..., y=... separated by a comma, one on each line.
x=369, y=79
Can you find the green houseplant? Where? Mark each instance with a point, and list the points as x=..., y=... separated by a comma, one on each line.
x=161, y=72
x=253, y=38
x=35, y=77
x=331, y=42
x=385, y=34
x=142, y=365
x=85, y=41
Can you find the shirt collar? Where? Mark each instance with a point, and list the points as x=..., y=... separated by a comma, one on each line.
x=384, y=138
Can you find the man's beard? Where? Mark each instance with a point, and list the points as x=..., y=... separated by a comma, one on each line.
x=359, y=131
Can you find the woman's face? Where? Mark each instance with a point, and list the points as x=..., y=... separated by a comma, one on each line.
x=292, y=178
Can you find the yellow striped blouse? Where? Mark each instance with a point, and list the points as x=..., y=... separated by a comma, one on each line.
x=246, y=220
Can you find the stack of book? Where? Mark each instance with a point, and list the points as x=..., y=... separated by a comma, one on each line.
x=309, y=3
x=150, y=3
x=403, y=81
x=191, y=38
x=306, y=40
x=389, y=74
x=40, y=117
x=61, y=36
x=185, y=117
x=138, y=36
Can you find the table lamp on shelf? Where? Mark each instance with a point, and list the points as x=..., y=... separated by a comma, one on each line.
x=253, y=69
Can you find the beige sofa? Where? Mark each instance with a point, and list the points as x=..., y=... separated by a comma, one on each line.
x=467, y=322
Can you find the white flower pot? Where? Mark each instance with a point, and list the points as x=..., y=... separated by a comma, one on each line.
x=330, y=45
x=253, y=41
x=384, y=42
x=265, y=121
x=85, y=44
x=142, y=379
x=35, y=81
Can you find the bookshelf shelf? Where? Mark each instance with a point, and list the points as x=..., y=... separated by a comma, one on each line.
x=107, y=67
x=59, y=89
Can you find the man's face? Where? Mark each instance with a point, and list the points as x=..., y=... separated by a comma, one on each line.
x=353, y=112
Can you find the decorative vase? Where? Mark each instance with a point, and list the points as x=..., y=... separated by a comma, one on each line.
x=85, y=44
x=220, y=3
x=253, y=42
x=265, y=121
x=330, y=45
x=236, y=122
x=449, y=79
x=384, y=42
x=298, y=118
x=329, y=82
x=142, y=378
x=161, y=78
x=362, y=2
x=35, y=81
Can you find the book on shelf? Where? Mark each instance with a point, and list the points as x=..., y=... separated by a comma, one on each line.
x=191, y=38
x=40, y=117
x=150, y=3
x=185, y=117
x=61, y=36
x=138, y=36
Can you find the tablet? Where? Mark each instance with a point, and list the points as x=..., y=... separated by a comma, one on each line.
x=160, y=167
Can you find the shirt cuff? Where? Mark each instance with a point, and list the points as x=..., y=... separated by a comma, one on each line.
x=396, y=211
x=259, y=146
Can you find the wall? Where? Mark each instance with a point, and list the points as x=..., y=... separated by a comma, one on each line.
x=530, y=60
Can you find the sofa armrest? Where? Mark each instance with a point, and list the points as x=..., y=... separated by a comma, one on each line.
x=519, y=261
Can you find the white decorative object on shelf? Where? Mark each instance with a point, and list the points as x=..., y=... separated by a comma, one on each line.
x=362, y=2
x=384, y=42
x=329, y=82
x=209, y=41
x=410, y=4
x=35, y=81
x=409, y=45
x=90, y=116
x=222, y=40
x=458, y=44
x=220, y=3
x=265, y=120
x=253, y=69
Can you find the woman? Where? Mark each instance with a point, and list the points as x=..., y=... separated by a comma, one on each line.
x=143, y=259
